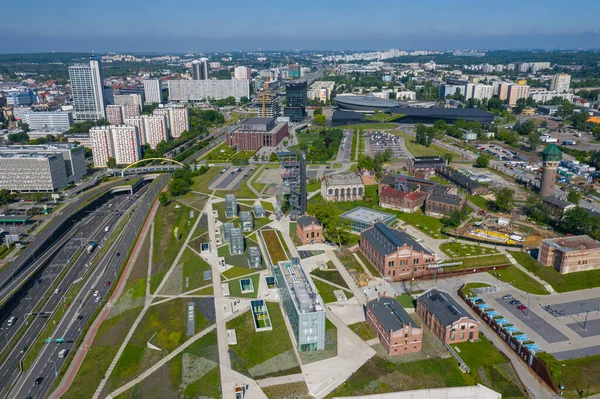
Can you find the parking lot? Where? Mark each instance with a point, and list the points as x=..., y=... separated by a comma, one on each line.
x=379, y=141
x=230, y=178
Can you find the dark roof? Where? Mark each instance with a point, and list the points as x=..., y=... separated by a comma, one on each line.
x=557, y=202
x=446, y=198
x=446, y=114
x=307, y=220
x=343, y=117
x=442, y=306
x=386, y=240
x=573, y=243
x=391, y=315
x=365, y=101
x=458, y=178
x=428, y=162
x=257, y=121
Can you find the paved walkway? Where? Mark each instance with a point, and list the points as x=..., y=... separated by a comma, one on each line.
x=286, y=379
x=365, y=268
x=524, y=270
x=253, y=177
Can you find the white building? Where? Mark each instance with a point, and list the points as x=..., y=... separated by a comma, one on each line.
x=177, y=119
x=152, y=91
x=406, y=95
x=320, y=90
x=131, y=110
x=203, y=90
x=478, y=91
x=87, y=87
x=515, y=92
x=543, y=95
x=242, y=73
x=114, y=114
x=128, y=99
x=120, y=142
x=561, y=82
x=58, y=121
x=152, y=129
x=101, y=145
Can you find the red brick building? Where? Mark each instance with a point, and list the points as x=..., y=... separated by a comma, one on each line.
x=394, y=253
x=570, y=254
x=309, y=230
x=439, y=205
x=256, y=133
x=446, y=318
x=399, y=200
x=396, y=330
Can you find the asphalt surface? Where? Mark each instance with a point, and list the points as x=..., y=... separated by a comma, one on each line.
x=85, y=304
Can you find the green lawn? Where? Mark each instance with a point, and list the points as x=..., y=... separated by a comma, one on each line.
x=326, y=291
x=236, y=291
x=223, y=250
x=520, y=280
x=427, y=224
x=419, y=150
x=575, y=374
x=368, y=264
x=368, y=126
x=350, y=262
x=201, y=183
x=314, y=185
x=478, y=201
x=560, y=282
x=193, y=269
x=363, y=330
x=237, y=271
x=268, y=206
x=406, y=301
x=205, y=291
x=467, y=289
x=331, y=275
x=480, y=261
x=456, y=249
x=292, y=390
x=488, y=367
x=253, y=349
x=274, y=246
x=383, y=117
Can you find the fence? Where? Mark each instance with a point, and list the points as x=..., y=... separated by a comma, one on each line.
x=441, y=273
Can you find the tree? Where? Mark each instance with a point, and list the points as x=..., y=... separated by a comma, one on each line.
x=178, y=187
x=454, y=219
x=244, y=100
x=537, y=210
x=565, y=110
x=448, y=156
x=320, y=119
x=495, y=103
x=534, y=141
x=573, y=197
x=25, y=127
x=581, y=121
x=504, y=199
x=482, y=161
x=318, y=111
x=111, y=163
x=18, y=137
x=544, y=124
x=163, y=199
x=5, y=197
x=520, y=105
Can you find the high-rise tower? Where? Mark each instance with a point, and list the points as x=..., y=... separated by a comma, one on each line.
x=87, y=86
x=200, y=69
x=551, y=157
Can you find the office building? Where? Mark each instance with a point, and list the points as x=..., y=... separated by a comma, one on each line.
x=200, y=69
x=398, y=333
x=246, y=221
x=302, y=304
x=362, y=218
x=259, y=211
x=120, y=142
x=56, y=121
x=87, y=86
x=129, y=99
x=440, y=205
x=152, y=129
x=231, y=206
x=256, y=133
x=295, y=101
x=254, y=257
x=242, y=73
x=320, y=91
x=205, y=90
x=237, y=242
x=515, y=92
x=570, y=254
x=309, y=230
x=152, y=91
x=227, y=227
x=394, y=253
x=551, y=157
x=446, y=318
x=177, y=119
x=114, y=114
x=342, y=187
x=41, y=168
x=20, y=98
x=561, y=82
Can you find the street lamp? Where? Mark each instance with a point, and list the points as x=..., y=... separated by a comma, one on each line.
x=55, y=370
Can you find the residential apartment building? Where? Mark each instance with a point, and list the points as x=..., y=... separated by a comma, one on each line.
x=320, y=91
x=561, y=82
x=177, y=119
x=200, y=69
x=394, y=253
x=570, y=254
x=406, y=95
x=256, y=133
x=446, y=318
x=120, y=142
x=398, y=333
x=152, y=129
x=129, y=99
x=515, y=92
x=302, y=304
x=242, y=73
x=152, y=91
x=87, y=86
x=543, y=95
x=114, y=114
x=204, y=90
x=342, y=187
x=56, y=121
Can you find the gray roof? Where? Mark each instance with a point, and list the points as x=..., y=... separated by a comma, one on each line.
x=390, y=313
x=557, y=202
x=258, y=121
x=367, y=100
x=343, y=178
x=386, y=240
x=442, y=306
x=446, y=198
x=307, y=220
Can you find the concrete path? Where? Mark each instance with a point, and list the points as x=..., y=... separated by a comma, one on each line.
x=252, y=178
x=365, y=268
x=330, y=283
x=356, y=290
x=286, y=379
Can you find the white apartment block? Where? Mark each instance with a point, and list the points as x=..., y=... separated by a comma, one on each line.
x=152, y=129
x=57, y=121
x=479, y=91
x=114, y=114
x=131, y=110
x=87, y=86
x=153, y=91
x=561, y=82
x=543, y=95
x=138, y=122
x=320, y=90
x=126, y=144
x=203, y=90
x=406, y=95
x=32, y=172
x=101, y=145
x=242, y=73
x=177, y=119
x=128, y=99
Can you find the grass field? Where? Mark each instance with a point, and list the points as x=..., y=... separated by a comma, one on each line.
x=274, y=247
x=255, y=349
x=490, y=368
x=478, y=201
x=520, y=280
x=456, y=249
x=363, y=330
x=314, y=185
x=468, y=288
x=368, y=126
x=237, y=271
x=193, y=269
x=331, y=275
x=368, y=264
x=200, y=183
x=406, y=301
x=479, y=261
x=419, y=150
x=427, y=224
x=574, y=374
x=560, y=282
x=268, y=206
x=293, y=390
x=236, y=291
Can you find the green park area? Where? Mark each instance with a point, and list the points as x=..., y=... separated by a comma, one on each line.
x=519, y=279
x=575, y=374
x=369, y=126
x=326, y=291
x=478, y=201
x=333, y=276
x=363, y=330
x=469, y=287
x=383, y=117
x=560, y=282
x=164, y=325
x=427, y=224
x=200, y=183
x=406, y=301
x=274, y=246
x=459, y=249
x=235, y=290
x=419, y=150
x=292, y=390
x=266, y=353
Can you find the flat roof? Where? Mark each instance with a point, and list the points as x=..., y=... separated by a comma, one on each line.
x=366, y=215
x=443, y=306
x=300, y=286
x=390, y=313
x=445, y=198
x=14, y=219
x=368, y=100
x=573, y=243
x=344, y=178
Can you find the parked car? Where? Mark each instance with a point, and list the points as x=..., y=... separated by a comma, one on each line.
x=507, y=296
x=521, y=307
x=515, y=302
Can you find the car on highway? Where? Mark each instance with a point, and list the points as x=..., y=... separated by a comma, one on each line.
x=39, y=380
x=80, y=317
x=98, y=299
x=515, y=302
x=521, y=307
x=38, y=281
x=11, y=321
x=507, y=296
x=107, y=283
x=62, y=353
x=96, y=293
x=57, y=291
x=24, y=348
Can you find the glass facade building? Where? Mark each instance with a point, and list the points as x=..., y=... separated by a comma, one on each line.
x=295, y=101
x=362, y=218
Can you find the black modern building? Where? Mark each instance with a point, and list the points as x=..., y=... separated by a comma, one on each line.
x=295, y=101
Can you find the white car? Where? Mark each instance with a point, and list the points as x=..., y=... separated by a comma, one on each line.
x=57, y=291
x=98, y=299
x=96, y=293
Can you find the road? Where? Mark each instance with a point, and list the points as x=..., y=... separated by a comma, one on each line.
x=84, y=305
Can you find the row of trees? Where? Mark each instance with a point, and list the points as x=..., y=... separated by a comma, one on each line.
x=375, y=163
x=324, y=147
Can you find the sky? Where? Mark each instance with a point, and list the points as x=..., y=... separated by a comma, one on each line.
x=232, y=25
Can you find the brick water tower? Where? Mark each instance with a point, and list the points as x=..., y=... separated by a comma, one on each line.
x=551, y=157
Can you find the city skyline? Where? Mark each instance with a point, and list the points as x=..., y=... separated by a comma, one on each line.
x=334, y=25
